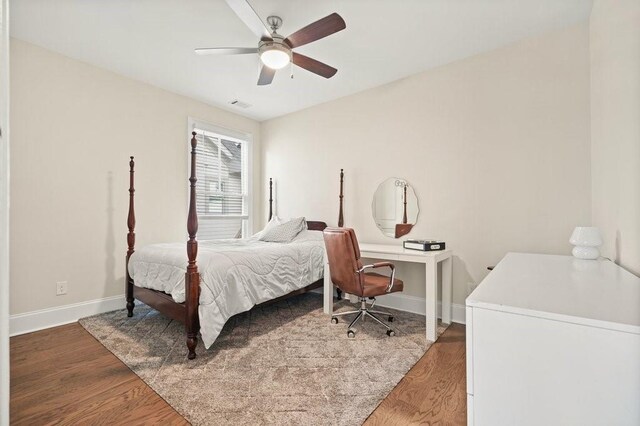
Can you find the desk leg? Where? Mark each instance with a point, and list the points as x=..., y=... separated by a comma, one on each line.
x=447, y=289
x=431, y=282
x=328, y=291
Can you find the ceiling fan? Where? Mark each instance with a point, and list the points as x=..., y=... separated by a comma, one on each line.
x=276, y=51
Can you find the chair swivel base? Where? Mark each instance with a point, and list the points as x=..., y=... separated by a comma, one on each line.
x=363, y=312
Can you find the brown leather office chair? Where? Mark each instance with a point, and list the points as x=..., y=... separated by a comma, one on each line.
x=347, y=273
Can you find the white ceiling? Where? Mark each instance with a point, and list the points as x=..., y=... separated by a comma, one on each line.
x=153, y=41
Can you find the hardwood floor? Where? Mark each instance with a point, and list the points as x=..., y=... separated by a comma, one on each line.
x=64, y=376
x=433, y=391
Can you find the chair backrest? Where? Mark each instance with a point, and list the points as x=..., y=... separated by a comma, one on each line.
x=343, y=254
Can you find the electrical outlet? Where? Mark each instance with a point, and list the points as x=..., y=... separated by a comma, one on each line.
x=61, y=288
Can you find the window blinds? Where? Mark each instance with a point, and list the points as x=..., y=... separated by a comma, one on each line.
x=221, y=195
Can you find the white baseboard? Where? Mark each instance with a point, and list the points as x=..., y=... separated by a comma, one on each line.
x=416, y=305
x=60, y=315
x=46, y=318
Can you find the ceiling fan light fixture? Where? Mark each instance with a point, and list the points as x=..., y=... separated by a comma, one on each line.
x=275, y=56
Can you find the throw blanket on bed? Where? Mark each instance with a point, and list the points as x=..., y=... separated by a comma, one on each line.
x=235, y=275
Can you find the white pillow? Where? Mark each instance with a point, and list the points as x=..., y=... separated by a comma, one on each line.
x=275, y=220
x=284, y=232
x=287, y=219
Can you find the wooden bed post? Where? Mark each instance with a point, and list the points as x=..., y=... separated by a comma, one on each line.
x=340, y=214
x=131, y=241
x=270, y=198
x=340, y=218
x=192, y=277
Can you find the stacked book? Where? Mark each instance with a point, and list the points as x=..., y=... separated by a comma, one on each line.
x=424, y=245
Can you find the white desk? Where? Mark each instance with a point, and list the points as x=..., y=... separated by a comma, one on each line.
x=430, y=260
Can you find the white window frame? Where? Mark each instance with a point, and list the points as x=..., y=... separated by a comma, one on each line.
x=234, y=136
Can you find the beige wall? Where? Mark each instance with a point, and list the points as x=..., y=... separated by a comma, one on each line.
x=497, y=147
x=615, y=128
x=73, y=127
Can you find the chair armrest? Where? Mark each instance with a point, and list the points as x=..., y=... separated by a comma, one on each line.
x=380, y=265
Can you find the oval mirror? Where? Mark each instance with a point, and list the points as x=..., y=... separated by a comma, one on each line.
x=395, y=207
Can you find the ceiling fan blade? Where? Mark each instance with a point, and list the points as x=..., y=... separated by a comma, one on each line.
x=317, y=30
x=314, y=66
x=226, y=50
x=250, y=18
x=266, y=76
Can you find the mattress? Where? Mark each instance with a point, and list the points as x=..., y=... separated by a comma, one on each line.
x=235, y=274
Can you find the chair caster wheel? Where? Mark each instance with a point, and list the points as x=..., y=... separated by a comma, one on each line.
x=390, y=318
x=351, y=334
x=334, y=320
x=391, y=333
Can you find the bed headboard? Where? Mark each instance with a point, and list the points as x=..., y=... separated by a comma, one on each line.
x=313, y=225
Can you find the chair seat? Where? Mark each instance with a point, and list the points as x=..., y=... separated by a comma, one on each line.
x=376, y=285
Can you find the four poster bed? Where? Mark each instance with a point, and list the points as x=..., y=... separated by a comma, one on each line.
x=227, y=277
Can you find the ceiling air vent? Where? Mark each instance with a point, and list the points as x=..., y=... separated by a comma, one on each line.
x=240, y=104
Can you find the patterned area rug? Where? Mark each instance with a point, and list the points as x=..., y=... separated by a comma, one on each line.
x=280, y=364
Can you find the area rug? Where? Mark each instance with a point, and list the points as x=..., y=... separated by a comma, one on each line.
x=283, y=364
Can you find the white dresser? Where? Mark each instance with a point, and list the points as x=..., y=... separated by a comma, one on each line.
x=553, y=340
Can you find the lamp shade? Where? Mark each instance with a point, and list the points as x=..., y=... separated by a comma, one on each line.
x=586, y=236
x=275, y=58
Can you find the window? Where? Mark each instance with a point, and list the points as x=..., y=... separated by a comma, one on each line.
x=223, y=187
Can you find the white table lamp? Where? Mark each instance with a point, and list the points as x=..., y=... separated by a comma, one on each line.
x=586, y=240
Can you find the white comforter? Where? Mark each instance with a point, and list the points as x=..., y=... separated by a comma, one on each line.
x=235, y=275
